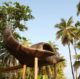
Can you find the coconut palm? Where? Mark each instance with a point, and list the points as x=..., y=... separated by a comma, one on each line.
x=66, y=33
x=77, y=63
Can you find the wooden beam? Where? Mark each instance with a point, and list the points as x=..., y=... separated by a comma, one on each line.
x=10, y=69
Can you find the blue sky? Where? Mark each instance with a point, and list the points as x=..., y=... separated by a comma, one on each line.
x=47, y=13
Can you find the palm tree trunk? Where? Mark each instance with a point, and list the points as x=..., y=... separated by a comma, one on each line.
x=71, y=61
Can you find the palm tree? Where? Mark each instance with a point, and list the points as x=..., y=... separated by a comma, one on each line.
x=77, y=63
x=67, y=33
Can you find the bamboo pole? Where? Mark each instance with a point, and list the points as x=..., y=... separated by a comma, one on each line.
x=24, y=72
x=35, y=68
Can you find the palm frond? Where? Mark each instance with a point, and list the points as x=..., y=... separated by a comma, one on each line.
x=77, y=24
x=61, y=25
x=78, y=33
x=70, y=21
x=76, y=65
x=59, y=34
x=64, y=40
x=77, y=56
x=78, y=8
x=78, y=45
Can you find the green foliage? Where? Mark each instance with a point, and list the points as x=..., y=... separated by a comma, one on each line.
x=76, y=64
x=77, y=56
x=77, y=24
x=13, y=14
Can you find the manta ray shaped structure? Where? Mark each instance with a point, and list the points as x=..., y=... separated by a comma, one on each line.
x=25, y=55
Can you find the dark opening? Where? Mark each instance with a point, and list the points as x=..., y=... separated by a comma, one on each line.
x=47, y=47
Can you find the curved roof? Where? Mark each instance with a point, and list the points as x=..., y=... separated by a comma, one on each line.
x=26, y=55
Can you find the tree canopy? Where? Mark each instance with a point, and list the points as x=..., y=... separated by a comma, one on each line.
x=14, y=15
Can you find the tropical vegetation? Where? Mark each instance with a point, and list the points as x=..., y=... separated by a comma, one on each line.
x=15, y=15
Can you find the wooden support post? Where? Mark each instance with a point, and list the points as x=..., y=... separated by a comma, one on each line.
x=10, y=69
x=24, y=72
x=44, y=77
x=36, y=68
x=55, y=72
